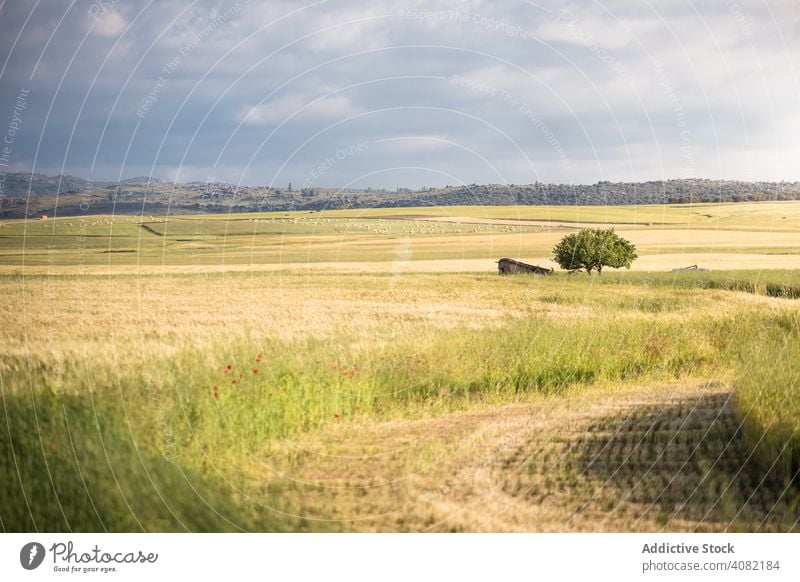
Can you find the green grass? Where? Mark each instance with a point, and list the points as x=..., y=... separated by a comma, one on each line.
x=70, y=463
x=782, y=284
x=768, y=394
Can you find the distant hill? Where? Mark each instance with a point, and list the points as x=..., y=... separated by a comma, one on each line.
x=68, y=195
x=19, y=184
x=608, y=193
x=143, y=180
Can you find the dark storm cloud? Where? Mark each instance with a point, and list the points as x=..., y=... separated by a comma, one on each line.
x=265, y=92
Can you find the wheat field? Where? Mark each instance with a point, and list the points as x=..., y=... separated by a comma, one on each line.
x=368, y=370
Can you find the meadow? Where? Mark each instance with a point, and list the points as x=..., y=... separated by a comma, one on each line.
x=367, y=370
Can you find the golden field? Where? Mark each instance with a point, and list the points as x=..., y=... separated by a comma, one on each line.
x=367, y=370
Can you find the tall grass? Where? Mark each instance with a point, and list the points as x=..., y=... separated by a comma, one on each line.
x=159, y=436
x=154, y=446
x=782, y=284
x=768, y=393
x=73, y=463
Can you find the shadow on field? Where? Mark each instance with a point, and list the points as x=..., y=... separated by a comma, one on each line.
x=66, y=465
x=687, y=465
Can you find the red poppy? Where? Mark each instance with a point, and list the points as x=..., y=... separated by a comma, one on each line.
x=336, y=416
x=235, y=382
x=53, y=446
x=345, y=373
x=226, y=371
x=255, y=370
x=230, y=366
x=216, y=395
x=358, y=408
x=259, y=357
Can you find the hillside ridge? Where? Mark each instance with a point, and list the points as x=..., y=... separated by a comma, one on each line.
x=23, y=194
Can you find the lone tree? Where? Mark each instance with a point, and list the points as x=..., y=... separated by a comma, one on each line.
x=592, y=249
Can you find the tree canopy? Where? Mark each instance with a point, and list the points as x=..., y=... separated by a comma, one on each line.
x=592, y=249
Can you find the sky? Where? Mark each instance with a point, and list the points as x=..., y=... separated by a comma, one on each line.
x=388, y=94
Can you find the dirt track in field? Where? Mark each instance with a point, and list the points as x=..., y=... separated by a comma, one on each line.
x=657, y=458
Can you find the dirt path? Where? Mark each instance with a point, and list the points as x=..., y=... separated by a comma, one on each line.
x=662, y=457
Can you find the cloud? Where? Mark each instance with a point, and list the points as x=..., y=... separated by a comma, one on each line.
x=108, y=23
x=296, y=108
x=411, y=144
x=617, y=90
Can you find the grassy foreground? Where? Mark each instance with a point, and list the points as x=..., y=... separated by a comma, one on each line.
x=768, y=395
x=182, y=402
